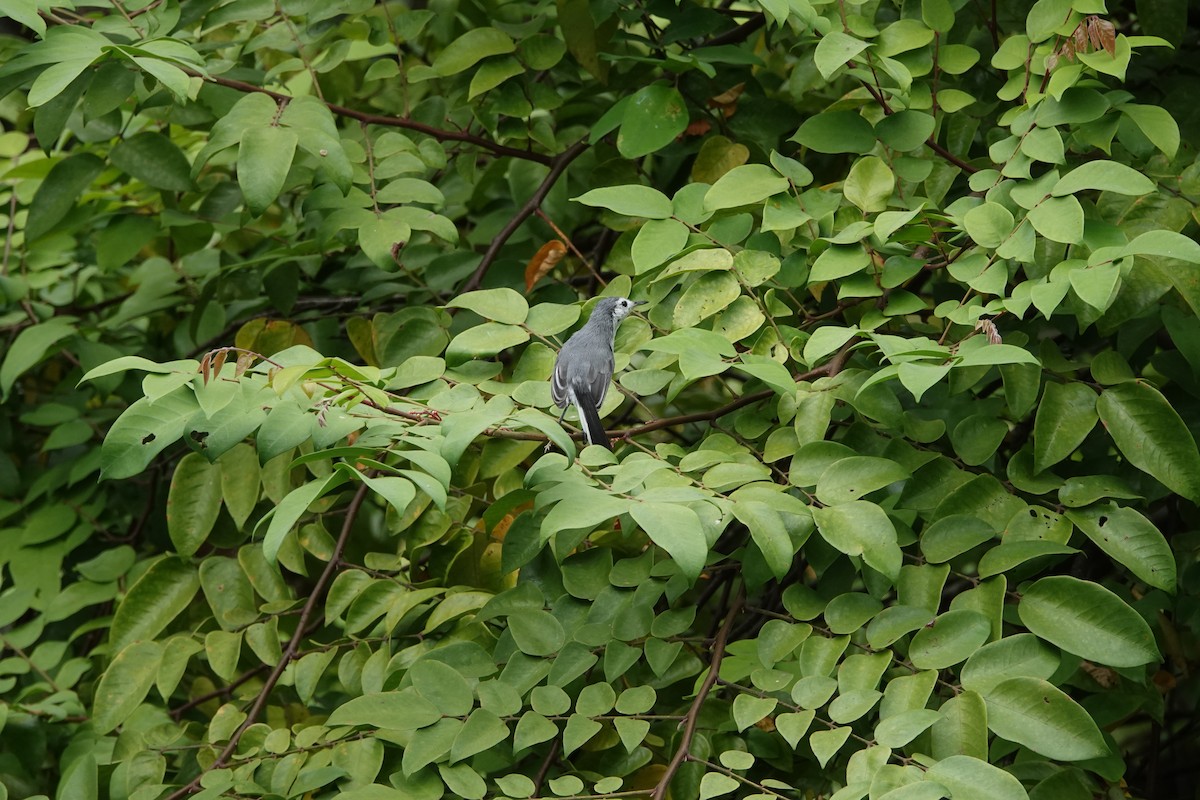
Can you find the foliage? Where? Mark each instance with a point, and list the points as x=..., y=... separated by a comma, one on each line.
x=898, y=437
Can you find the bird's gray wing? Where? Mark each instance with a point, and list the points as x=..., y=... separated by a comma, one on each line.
x=559, y=380
x=594, y=377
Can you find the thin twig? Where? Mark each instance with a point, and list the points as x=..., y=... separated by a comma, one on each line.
x=739, y=34
x=224, y=691
x=557, y=167
x=293, y=646
x=392, y=122
x=693, y=715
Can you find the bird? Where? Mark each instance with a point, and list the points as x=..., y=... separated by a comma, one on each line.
x=585, y=365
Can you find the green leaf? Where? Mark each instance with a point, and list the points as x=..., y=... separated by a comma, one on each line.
x=483, y=340
x=533, y=729
x=537, y=632
x=1021, y=654
x=493, y=73
x=1034, y=713
x=470, y=48
x=154, y=160
x=989, y=224
x=793, y=726
x=862, y=529
x=193, y=502
x=1059, y=219
x=836, y=132
x=1151, y=435
x=748, y=709
x=24, y=12
x=950, y=639
x=578, y=731
x=228, y=592
x=657, y=242
x=398, y=492
x=443, y=686
x=768, y=533
x=715, y=784
x=709, y=294
x=57, y=194
x=969, y=778
x=401, y=711
x=125, y=684
x=962, y=730
x=853, y=478
x=977, y=438
x=241, y=483
x=29, y=348
x=1088, y=620
x=1167, y=244
x=482, y=730
x=744, y=185
x=901, y=729
x=80, y=779
x=1064, y=419
x=156, y=598
x=1097, y=286
x=1130, y=540
x=1157, y=124
x=654, y=116
x=500, y=305
x=838, y=262
x=631, y=200
x=676, y=529
x=1107, y=176
x=993, y=354
x=870, y=183
x=825, y=744
x=264, y=157
x=834, y=49
x=292, y=508
x=848, y=612
x=905, y=130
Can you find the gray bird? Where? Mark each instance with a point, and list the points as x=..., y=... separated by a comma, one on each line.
x=585, y=366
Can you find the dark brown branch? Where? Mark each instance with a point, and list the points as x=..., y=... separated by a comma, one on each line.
x=293, y=645
x=557, y=166
x=953, y=159
x=739, y=34
x=391, y=122
x=693, y=715
x=224, y=691
x=931, y=143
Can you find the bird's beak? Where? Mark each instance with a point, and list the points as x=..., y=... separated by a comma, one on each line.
x=640, y=302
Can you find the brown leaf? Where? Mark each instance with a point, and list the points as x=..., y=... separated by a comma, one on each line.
x=546, y=258
x=204, y=367
x=1079, y=38
x=218, y=362
x=697, y=127
x=1108, y=37
x=244, y=361
x=1104, y=676
x=727, y=100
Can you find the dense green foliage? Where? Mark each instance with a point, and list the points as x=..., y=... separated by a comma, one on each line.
x=903, y=502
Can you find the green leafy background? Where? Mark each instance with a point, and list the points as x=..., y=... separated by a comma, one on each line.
x=903, y=503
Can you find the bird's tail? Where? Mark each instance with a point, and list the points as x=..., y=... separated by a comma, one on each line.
x=589, y=416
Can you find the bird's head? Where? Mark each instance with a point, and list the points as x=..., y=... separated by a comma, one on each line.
x=617, y=307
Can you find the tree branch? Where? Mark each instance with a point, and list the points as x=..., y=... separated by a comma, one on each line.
x=739, y=34
x=559, y=163
x=693, y=715
x=391, y=122
x=293, y=645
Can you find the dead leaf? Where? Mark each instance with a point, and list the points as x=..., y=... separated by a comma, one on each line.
x=546, y=258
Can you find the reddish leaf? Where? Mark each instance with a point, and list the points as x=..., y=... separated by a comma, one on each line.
x=546, y=258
